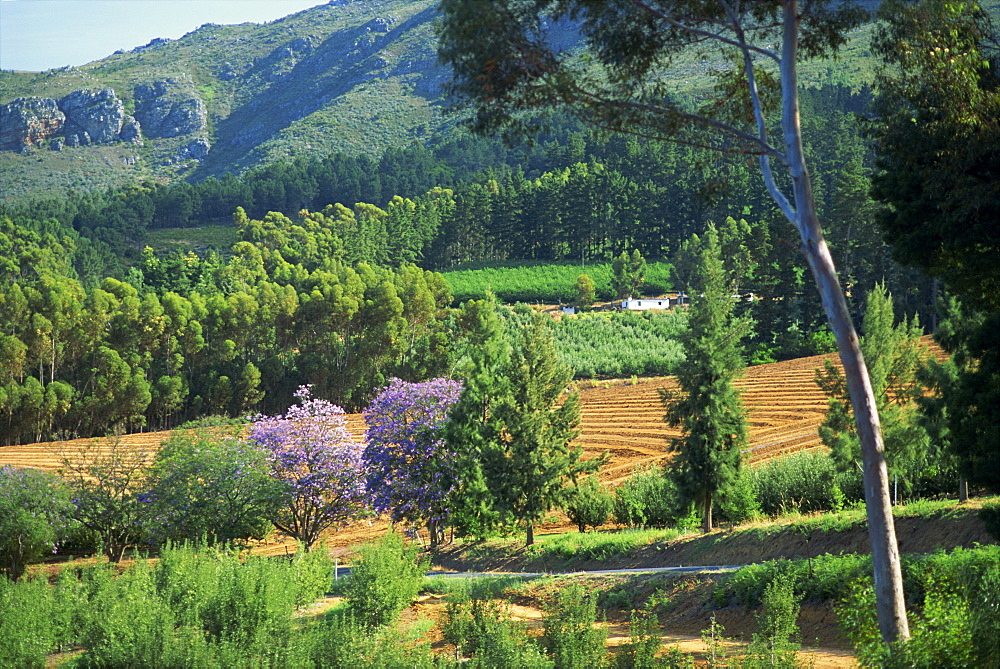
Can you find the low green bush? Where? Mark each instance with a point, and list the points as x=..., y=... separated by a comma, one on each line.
x=802, y=482
x=774, y=643
x=648, y=498
x=26, y=630
x=940, y=633
x=644, y=643
x=384, y=580
x=570, y=635
x=340, y=641
x=990, y=515
x=590, y=504
x=483, y=630
x=822, y=578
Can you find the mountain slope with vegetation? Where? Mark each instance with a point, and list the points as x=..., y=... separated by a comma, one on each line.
x=346, y=76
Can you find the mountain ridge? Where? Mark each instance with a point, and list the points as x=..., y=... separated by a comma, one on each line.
x=348, y=76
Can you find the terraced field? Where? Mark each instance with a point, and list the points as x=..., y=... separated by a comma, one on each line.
x=785, y=407
x=784, y=403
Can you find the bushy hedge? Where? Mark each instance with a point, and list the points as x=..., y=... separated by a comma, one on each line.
x=617, y=344
x=196, y=606
x=649, y=498
x=543, y=282
x=798, y=483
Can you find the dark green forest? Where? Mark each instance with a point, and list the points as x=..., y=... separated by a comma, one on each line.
x=334, y=279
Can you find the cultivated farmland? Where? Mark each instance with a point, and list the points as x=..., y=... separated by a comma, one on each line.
x=785, y=407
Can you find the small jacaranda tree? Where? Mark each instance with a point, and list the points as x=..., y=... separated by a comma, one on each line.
x=411, y=472
x=312, y=452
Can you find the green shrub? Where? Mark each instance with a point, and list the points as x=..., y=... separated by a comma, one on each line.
x=570, y=635
x=34, y=516
x=644, y=643
x=342, y=642
x=130, y=625
x=801, y=482
x=990, y=515
x=741, y=502
x=250, y=604
x=26, y=633
x=590, y=504
x=647, y=499
x=313, y=575
x=822, y=578
x=483, y=630
x=940, y=634
x=777, y=625
x=384, y=580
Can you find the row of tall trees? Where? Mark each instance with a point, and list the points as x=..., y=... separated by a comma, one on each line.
x=223, y=337
x=936, y=137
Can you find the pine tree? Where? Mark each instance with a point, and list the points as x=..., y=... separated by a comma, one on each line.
x=628, y=274
x=534, y=460
x=893, y=354
x=584, y=290
x=473, y=428
x=707, y=407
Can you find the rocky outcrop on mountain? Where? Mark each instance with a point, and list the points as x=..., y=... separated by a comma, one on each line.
x=26, y=122
x=381, y=24
x=197, y=150
x=97, y=115
x=86, y=116
x=169, y=108
x=131, y=131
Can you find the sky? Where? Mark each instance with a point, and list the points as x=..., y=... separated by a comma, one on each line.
x=37, y=35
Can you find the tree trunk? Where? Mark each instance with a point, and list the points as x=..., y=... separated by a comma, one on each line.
x=707, y=524
x=889, y=603
x=531, y=535
x=963, y=490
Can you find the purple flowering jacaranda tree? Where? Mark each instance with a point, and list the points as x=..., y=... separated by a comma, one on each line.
x=411, y=473
x=314, y=454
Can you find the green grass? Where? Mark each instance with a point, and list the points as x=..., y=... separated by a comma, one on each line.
x=542, y=282
x=598, y=545
x=218, y=237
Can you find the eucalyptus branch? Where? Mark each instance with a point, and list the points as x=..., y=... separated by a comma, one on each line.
x=706, y=34
x=764, y=148
x=758, y=111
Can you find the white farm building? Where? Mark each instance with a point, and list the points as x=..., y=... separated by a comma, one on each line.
x=644, y=303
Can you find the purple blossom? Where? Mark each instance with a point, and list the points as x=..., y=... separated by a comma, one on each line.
x=411, y=474
x=314, y=454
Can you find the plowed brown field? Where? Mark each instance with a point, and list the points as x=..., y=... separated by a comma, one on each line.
x=784, y=403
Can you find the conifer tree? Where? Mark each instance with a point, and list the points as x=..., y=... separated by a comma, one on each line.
x=473, y=428
x=628, y=274
x=894, y=354
x=707, y=407
x=534, y=459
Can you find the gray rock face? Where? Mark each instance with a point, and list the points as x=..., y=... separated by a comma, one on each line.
x=131, y=131
x=167, y=108
x=99, y=113
x=197, y=150
x=381, y=24
x=26, y=122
